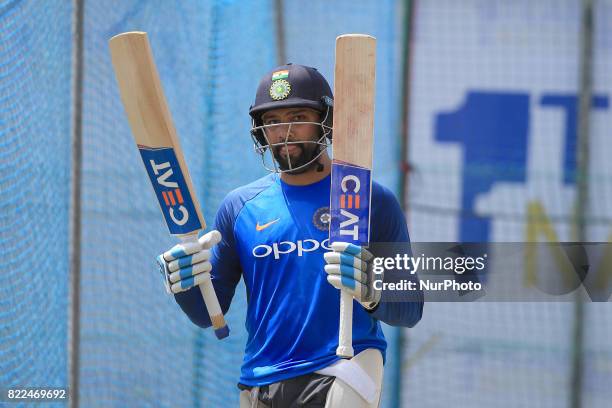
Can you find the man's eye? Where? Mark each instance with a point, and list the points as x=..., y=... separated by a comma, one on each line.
x=271, y=122
x=298, y=118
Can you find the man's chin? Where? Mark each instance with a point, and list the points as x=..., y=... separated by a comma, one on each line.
x=300, y=163
x=283, y=161
x=298, y=168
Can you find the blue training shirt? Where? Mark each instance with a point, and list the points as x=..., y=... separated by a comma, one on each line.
x=274, y=236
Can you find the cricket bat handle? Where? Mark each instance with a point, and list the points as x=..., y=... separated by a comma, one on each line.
x=345, y=334
x=212, y=305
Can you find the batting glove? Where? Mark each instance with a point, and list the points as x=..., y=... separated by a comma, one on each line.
x=348, y=269
x=185, y=265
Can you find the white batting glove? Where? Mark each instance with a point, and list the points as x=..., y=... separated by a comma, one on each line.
x=348, y=269
x=185, y=265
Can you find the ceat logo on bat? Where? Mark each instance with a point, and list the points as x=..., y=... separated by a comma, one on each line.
x=350, y=204
x=171, y=189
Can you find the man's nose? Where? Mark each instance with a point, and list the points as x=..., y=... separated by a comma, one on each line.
x=281, y=132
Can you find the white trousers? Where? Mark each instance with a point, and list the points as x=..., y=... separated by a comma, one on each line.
x=340, y=393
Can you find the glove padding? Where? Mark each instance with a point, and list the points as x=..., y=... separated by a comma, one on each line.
x=185, y=265
x=348, y=269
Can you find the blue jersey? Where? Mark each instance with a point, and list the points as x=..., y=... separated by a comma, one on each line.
x=274, y=236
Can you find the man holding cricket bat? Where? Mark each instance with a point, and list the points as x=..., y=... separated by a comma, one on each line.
x=274, y=233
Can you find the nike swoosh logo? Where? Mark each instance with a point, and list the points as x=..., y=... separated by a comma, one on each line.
x=264, y=226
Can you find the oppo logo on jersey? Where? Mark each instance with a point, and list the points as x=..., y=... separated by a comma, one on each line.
x=287, y=247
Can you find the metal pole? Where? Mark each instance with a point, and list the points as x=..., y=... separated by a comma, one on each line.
x=406, y=61
x=281, y=55
x=582, y=189
x=75, y=204
x=404, y=168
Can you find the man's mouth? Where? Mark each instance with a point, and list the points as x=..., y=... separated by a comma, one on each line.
x=289, y=150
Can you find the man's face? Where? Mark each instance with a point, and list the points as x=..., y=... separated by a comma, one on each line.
x=285, y=132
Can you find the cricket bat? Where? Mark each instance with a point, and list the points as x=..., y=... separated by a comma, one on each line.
x=351, y=181
x=153, y=130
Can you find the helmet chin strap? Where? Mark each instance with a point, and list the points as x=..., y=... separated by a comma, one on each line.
x=320, y=165
x=319, y=148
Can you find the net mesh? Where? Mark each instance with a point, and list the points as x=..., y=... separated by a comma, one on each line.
x=135, y=341
x=35, y=121
x=492, y=141
x=134, y=338
x=494, y=97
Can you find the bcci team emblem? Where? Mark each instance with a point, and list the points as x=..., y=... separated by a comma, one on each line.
x=280, y=89
x=321, y=218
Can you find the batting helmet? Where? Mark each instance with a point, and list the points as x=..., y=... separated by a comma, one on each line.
x=290, y=86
